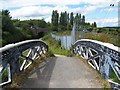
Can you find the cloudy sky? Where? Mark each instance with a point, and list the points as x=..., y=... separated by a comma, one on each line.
x=99, y=11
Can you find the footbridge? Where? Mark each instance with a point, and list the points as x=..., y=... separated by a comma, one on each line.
x=61, y=71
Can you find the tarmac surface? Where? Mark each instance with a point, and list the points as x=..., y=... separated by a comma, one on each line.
x=61, y=72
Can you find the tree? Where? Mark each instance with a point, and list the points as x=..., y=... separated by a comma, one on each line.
x=54, y=20
x=79, y=17
x=79, y=20
x=7, y=23
x=94, y=24
x=9, y=33
x=83, y=19
x=71, y=18
x=16, y=22
x=64, y=21
x=76, y=18
x=65, y=17
x=16, y=30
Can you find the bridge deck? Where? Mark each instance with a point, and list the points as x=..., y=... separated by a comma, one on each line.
x=62, y=72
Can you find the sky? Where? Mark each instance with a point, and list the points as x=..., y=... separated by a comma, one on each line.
x=98, y=11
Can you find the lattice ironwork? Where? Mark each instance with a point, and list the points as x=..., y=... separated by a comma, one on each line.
x=17, y=57
x=103, y=57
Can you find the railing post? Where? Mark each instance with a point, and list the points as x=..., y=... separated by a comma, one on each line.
x=102, y=70
x=106, y=66
x=14, y=61
x=103, y=57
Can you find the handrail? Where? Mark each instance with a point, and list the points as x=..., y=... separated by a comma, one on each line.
x=104, y=57
x=13, y=59
x=108, y=45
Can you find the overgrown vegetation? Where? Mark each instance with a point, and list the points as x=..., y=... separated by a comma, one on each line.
x=16, y=30
x=114, y=77
x=55, y=46
x=5, y=75
x=63, y=33
x=103, y=37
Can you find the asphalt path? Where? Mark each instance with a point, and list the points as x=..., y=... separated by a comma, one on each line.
x=61, y=72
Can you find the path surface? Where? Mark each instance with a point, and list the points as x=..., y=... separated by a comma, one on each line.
x=61, y=72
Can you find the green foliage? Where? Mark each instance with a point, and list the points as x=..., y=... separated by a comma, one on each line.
x=111, y=33
x=16, y=30
x=21, y=60
x=28, y=24
x=9, y=37
x=83, y=19
x=109, y=38
x=114, y=77
x=16, y=22
x=50, y=54
x=7, y=24
x=64, y=21
x=63, y=33
x=54, y=20
x=71, y=18
x=5, y=75
x=55, y=46
x=94, y=24
x=9, y=32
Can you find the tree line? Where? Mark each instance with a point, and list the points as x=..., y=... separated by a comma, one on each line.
x=15, y=30
x=64, y=21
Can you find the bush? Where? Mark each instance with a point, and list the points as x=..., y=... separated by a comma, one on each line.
x=50, y=54
x=55, y=46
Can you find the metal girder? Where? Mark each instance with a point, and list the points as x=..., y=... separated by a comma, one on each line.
x=18, y=57
x=101, y=56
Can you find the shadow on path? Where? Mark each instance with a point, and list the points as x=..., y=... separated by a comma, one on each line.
x=62, y=72
x=40, y=76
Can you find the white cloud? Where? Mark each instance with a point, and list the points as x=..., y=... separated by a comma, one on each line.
x=21, y=3
x=84, y=10
x=45, y=11
x=104, y=22
x=31, y=12
x=33, y=9
x=48, y=19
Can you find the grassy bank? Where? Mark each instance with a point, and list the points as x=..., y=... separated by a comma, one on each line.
x=103, y=37
x=55, y=46
x=109, y=38
x=63, y=33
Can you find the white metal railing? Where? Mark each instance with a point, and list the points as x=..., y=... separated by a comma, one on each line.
x=103, y=57
x=18, y=57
